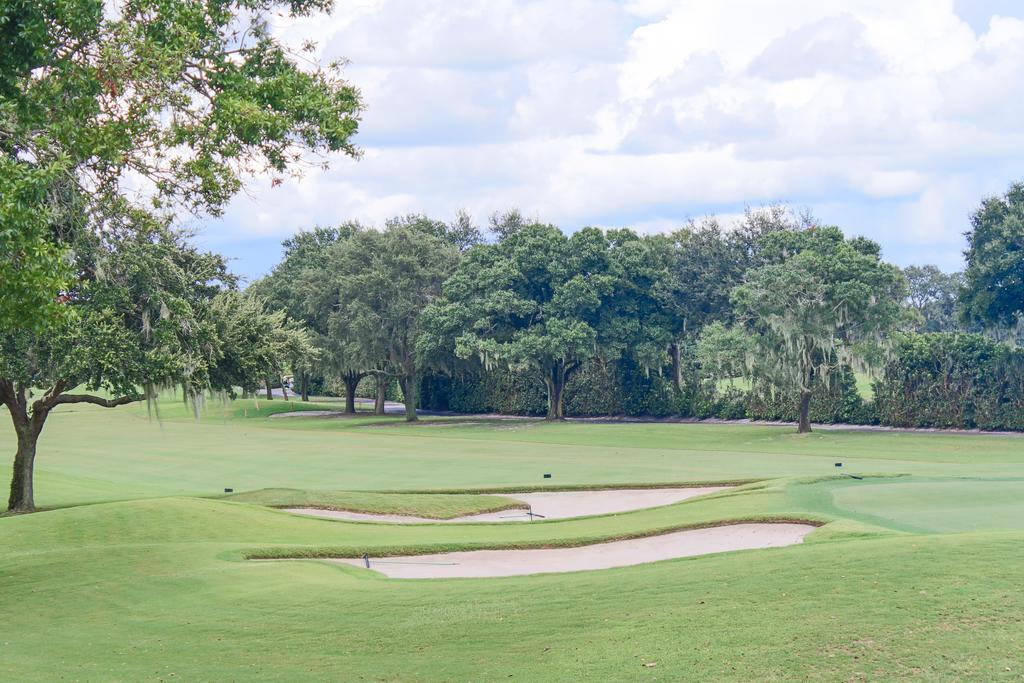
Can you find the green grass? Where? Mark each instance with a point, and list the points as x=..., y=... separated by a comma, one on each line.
x=940, y=506
x=436, y=506
x=915, y=573
x=93, y=454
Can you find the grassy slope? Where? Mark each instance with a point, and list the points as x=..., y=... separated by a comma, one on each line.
x=437, y=506
x=150, y=588
x=163, y=600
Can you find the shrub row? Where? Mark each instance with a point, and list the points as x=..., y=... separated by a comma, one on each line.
x=622, y=389
x=952, y=380
x=932, y=380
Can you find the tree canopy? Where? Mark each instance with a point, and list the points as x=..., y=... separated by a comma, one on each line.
x=933, y=294
x=376, y=287
x=820, y=303
x=176, y=100
x=540, y=300
x=993, y=291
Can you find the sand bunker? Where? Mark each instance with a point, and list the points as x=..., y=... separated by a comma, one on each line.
x=307, y=413
x=493, y=563
x=544, y=505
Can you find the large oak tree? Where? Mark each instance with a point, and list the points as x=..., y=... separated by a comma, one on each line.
x=135, y=320
x=530, y=302
x=820, y=303
x=375, y=287
x=177, y=101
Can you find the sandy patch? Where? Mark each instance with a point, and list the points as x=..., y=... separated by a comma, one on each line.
x=543, y=505
x=493, y=563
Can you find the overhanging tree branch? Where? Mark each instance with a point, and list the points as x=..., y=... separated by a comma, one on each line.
x=97, y=400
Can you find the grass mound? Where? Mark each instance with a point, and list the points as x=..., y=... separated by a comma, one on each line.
x=141, y=590
x=433, y=506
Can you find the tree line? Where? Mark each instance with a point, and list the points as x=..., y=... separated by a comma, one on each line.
x=791, y=306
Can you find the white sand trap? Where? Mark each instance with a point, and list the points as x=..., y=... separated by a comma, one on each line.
x=544, y=505
x=492, y=563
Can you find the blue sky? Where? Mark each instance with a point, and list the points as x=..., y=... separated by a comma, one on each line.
x=890, y=119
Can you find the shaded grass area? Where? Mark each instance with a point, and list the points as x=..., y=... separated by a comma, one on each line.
x=437, y=506
x=141, y=590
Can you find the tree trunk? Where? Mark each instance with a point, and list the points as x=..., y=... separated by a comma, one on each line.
x=804, y=426
x=677, y=367
x=382, y=395
x=305, y=386
x=351, y=383
x=555, y=382
x=284, y=390
x=28, y=426
x=22, y=497
x=270, y=394
x=408, y=384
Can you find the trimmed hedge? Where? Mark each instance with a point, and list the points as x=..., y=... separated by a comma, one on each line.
x=623, y=389
x=939, y=380
x=952, y=380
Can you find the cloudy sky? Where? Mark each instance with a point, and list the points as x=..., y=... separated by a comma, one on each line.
x=889, y=118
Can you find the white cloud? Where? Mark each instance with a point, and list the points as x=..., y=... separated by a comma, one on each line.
x=892, y=119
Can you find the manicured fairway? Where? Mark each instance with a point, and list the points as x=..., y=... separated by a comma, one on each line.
x=92, y=454
x=157, y=586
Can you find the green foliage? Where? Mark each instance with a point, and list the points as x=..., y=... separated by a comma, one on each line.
x=254, y=343
x=820, y=303
x=722, y=352
x=474, y=390
x=544, y=303
x=624, y=389
x=462, y=233
x=299, y=286
x=934, y=295
x=375, y=286
x=834, y=402
x=704, y=264
x=147, y=310
x=135, y=318
x=33, y=269
x=952, y=380
x=993, y=290
x=287, y=287
x=187, y=98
